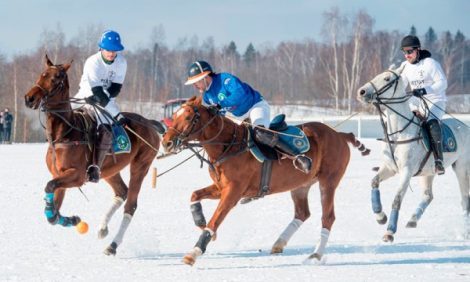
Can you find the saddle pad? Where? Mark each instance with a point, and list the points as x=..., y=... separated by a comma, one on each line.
x=449, y=144
x=295, y=138
x=121, y=141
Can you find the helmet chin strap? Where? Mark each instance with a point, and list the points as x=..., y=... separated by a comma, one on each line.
x=206, y=86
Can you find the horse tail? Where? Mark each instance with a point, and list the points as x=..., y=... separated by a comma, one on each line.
x=160, y=127
x=351, y=138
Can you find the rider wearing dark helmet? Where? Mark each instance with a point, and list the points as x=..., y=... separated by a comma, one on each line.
x=242, y=101
x=428, y=83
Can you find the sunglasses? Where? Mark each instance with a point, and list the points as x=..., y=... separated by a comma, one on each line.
x=408, y=52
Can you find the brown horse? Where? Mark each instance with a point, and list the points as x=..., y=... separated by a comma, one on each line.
x=237, y=173
x=68, y=154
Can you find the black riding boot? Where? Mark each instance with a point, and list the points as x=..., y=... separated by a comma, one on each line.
x=104, y=142
x=301, y=162
x=435, y=134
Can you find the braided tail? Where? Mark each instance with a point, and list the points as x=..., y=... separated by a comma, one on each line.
x=350, y=138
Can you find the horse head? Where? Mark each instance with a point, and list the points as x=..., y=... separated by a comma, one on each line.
x=51, y=88
x=189, y=123
x=382, y=88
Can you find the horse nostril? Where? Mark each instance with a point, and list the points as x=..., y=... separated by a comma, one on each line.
x=362, y=92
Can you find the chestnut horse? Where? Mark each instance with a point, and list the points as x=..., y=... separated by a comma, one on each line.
x=236, y=172
x=68, y=154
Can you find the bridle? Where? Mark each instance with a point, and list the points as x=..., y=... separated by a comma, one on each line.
x=191, y=129
x=57, y=87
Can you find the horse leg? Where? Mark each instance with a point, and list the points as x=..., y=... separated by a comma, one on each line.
x=383, y=174
x=138, y=169
x=405, y=177
x=302, y=213
x=209, y=192
x=426, y=184
x=120, y=195
x=228, y=199
x=327, y=192
x=56, y=188
x=462, y=170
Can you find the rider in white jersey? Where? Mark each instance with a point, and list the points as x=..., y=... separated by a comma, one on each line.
x=100, y=84
x=428, y=84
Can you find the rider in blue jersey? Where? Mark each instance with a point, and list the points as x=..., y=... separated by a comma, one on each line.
x=239, y=99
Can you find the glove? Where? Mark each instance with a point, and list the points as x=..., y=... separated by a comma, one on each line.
x=214, y=109
x=92, y=100
x=419, y=92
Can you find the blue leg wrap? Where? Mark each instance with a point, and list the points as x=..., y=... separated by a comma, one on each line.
x=392, y=224
x=68, y=221
x=49, y=210
x=421, y=208
x=376, y=203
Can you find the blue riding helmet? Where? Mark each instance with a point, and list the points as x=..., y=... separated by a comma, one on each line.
x=111, y=41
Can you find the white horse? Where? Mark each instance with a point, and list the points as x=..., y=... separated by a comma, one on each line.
x=405, y=153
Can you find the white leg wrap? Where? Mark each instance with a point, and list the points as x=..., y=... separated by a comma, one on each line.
x=126, y=220
x=290, y=229
x=320, y=248
x=117, y=202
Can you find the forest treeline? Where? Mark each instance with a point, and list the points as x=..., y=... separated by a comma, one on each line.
x=324, y=72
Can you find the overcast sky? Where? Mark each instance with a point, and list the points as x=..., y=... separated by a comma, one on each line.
x=243, y=21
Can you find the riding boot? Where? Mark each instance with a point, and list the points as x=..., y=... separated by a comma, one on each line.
x=435, y=134
x=104, y=142
x=271, y=139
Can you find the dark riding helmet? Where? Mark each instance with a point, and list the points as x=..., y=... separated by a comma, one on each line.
x=197, y=71
x=410, y=41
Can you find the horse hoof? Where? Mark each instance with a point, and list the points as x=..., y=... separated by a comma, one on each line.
x=111, y=249
x=278, y=247
x=189, y=260
x=315, y=259
x=103, y=233
x=388, y=238
x=411, y=224
x=382, y=220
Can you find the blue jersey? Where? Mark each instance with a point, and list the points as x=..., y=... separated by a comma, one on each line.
x=231, y=94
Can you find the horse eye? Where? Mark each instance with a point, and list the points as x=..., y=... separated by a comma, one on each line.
x=188, y=118
x=387, y=78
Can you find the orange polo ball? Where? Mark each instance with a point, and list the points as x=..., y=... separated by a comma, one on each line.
x=82, y=227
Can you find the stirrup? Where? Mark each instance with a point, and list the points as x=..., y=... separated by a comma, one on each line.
x=93, y=173
x=439, y=167
x=303, y=163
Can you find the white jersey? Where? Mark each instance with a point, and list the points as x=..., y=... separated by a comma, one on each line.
x=97, y=73
x=426, y=74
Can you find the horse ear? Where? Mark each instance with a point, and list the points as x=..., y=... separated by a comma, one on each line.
x=67, y=66
x=48, y=62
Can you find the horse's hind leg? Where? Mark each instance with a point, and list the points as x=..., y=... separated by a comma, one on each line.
x=138, y=169
x=462, y=170
x=120, y=195
x=383, y=174
x=302, y=213
x=426, y=185
x=209, y=192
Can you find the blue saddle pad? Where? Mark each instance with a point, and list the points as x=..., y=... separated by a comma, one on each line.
x=121, y=141
x=449, y=144
x=290, y=135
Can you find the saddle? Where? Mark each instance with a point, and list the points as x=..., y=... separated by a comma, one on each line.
x=290, y=135
x=121, y=141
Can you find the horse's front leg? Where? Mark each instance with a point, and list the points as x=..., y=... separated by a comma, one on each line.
x=55, y=195
x=405, y=176
x=384, y=173
x=426, y=184
x=209, y=192
x=230, y=195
